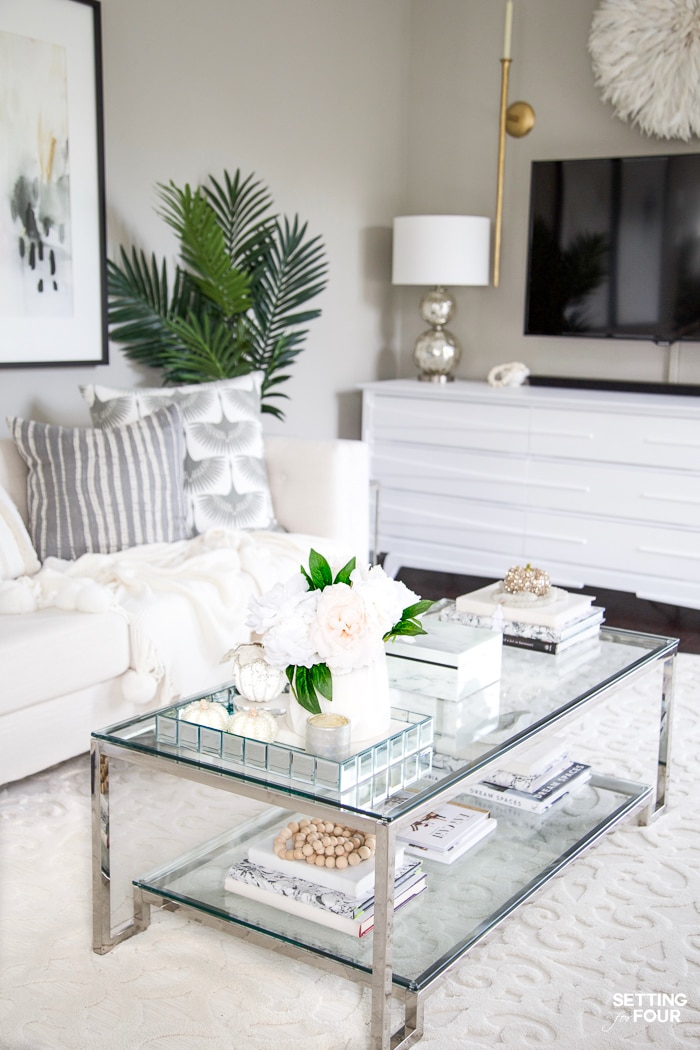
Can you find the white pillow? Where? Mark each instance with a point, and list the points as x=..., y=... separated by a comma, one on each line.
x=17, y=554
x=225, y=477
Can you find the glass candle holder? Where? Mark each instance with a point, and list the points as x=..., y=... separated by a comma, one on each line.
x=328, y=736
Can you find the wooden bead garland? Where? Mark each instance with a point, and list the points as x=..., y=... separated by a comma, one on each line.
x=324, y=844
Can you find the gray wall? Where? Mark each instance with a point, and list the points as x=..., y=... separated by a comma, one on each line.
x=351, y=112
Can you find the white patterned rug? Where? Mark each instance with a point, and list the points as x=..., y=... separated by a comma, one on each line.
x=584, y=966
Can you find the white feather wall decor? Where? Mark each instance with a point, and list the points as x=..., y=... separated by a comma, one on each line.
x=646, y=61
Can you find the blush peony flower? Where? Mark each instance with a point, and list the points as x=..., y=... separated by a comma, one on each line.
x=343, y=634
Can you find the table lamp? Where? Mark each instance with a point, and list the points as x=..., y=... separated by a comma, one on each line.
x=440, y=250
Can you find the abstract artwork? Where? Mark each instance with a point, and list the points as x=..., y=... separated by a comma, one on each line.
x=52, y=258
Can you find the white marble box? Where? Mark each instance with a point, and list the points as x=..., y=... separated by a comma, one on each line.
x=451, y=661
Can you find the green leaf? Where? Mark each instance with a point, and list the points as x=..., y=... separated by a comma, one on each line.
x=404, y=628
x=322, y=680
x=320, y=572
x=343, y=575
x=303, y=689
x=417, y=609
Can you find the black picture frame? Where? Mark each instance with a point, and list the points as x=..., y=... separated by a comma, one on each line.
x=53, y=279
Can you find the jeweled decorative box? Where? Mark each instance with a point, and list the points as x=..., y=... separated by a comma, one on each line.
x=451, y=661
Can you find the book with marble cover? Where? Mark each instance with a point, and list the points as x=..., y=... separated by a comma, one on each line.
x=310, y=900
x=514, y=629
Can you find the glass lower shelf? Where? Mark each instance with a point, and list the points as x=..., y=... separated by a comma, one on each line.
x=461, y=903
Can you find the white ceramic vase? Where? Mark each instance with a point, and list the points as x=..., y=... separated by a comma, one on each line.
x=362, y=696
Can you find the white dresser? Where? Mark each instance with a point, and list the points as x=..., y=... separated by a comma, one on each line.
x=600, y=488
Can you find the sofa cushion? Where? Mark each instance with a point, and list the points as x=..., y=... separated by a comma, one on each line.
x=54, y=652
x=103, y=490
x=17, y=554
x=225, y=477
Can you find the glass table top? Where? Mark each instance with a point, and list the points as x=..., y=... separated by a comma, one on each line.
x=535, y=689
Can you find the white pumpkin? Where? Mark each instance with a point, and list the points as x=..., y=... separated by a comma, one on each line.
x=260, y=725
x=205, y=713
x=253, y=676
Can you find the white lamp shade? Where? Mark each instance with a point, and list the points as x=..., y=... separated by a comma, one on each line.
x=441, y=249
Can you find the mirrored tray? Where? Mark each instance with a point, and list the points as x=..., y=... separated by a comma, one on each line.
x=369, y=776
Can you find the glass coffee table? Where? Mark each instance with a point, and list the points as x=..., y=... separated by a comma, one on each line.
x=440, y=749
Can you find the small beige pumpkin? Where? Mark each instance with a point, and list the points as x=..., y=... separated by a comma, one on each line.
x=205, y=713
x=260, y=725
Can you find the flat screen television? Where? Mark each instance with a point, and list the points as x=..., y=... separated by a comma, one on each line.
x=614, y=248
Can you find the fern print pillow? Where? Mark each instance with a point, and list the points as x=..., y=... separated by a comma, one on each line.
x=225, y=476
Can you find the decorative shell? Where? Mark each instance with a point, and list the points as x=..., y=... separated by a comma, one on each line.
x=514, y=373
x=260, y=725
x=205, y=713
x=528, y=579
x=253, y=676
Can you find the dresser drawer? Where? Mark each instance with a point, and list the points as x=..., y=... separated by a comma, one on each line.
x=449, y=472
x=622, y=437
x=610, y=491
x=447, y=521
x=451, y=424
x=641, y=550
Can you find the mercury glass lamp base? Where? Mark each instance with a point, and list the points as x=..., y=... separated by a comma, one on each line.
x=436, y=355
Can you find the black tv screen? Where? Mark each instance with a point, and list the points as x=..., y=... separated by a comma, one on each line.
x=614, y=248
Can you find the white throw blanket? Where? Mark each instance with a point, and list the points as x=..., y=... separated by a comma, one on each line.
x=186, y=602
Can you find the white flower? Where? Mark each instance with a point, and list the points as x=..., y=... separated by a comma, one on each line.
x=289, y=640
x=343, y=634
x=277, y=604
x=384, y=598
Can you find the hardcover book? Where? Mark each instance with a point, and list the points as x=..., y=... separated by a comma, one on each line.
x=536, y=757
x=309, y=900
x=470, y=839
x=441, y=828
x=538, y=632
x=553, y=610
x=540, y=800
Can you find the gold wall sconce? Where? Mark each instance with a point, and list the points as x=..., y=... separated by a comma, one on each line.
x=516, y=120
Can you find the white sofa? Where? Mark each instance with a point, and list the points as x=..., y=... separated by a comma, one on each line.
x=62, y=670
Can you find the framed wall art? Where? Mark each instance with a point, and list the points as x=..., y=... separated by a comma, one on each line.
x=53, y=307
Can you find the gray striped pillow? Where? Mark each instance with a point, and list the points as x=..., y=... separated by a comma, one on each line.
x=103, y=490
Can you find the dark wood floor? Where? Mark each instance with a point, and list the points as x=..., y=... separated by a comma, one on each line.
x=621, y=609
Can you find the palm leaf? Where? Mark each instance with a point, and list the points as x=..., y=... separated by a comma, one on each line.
x=203, y=249
x=141, y=304
x=242, y=208
x=203, y=349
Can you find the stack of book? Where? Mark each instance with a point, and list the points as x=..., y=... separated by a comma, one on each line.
x=535, y=779
x=550, y=625
x=341, y=900
x=447, y=832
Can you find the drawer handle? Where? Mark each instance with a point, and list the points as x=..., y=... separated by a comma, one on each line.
x=664, y=497
x=557, y=539
x=579, y=435
x=671, y=443
x=559, y=486
x=669, y=553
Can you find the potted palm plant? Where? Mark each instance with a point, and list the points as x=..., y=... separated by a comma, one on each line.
x=237, y=301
